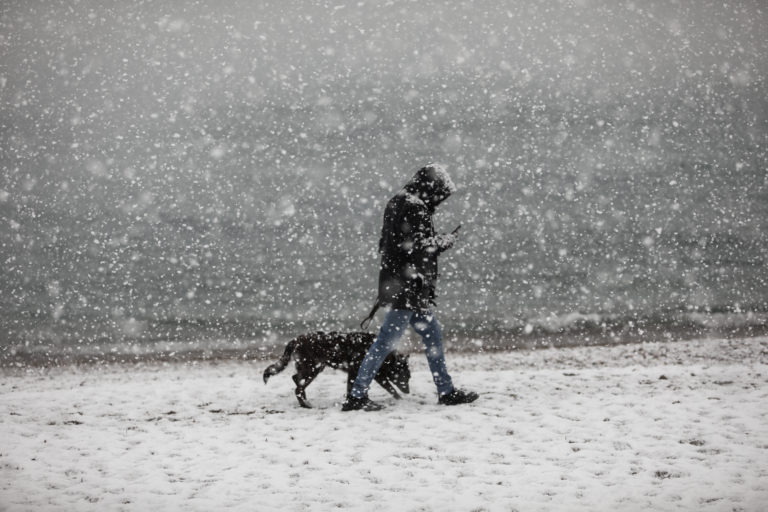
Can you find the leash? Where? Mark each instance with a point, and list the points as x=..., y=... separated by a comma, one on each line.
x=367, y=321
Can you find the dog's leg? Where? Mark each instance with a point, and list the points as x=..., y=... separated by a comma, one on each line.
x=301, y=395
x=305, y=374
x=388, y=386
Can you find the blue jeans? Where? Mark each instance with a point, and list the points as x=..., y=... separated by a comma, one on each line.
x=392, y=329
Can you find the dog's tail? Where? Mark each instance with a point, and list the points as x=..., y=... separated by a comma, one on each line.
x=280, y=365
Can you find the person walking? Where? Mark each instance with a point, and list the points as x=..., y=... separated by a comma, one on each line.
x=409, y=248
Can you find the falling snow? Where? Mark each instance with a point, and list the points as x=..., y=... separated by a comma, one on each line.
x=219, y=173
x=191, y=181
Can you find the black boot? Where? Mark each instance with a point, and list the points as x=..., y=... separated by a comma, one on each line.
x=458, y=396
x=357, y=404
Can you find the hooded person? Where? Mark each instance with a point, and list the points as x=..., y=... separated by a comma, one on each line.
x=409, y=248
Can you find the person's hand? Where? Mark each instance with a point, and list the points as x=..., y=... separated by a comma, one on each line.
x=446, y=241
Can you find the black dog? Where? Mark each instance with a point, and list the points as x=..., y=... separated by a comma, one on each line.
x=341, y=351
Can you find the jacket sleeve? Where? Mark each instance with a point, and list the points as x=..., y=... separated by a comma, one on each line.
x=422, y=236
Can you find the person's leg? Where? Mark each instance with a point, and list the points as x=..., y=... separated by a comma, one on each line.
x=425, y=324
x=390, y=333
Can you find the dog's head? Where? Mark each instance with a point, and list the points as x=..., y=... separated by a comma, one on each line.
x=397, y=371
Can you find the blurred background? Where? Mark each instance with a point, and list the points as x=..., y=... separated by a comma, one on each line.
x=199, y=177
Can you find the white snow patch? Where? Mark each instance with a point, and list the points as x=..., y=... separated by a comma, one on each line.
x=676, y=426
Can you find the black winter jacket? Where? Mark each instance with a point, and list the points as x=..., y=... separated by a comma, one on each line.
x=409, y=245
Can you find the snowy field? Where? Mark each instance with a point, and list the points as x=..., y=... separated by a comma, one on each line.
x=677, y=426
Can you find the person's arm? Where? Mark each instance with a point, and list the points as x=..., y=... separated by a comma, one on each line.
x=422, y=239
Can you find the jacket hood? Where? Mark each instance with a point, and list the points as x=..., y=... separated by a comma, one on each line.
x=431, y=184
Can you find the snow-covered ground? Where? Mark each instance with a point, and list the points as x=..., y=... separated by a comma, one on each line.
x=676, y=426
